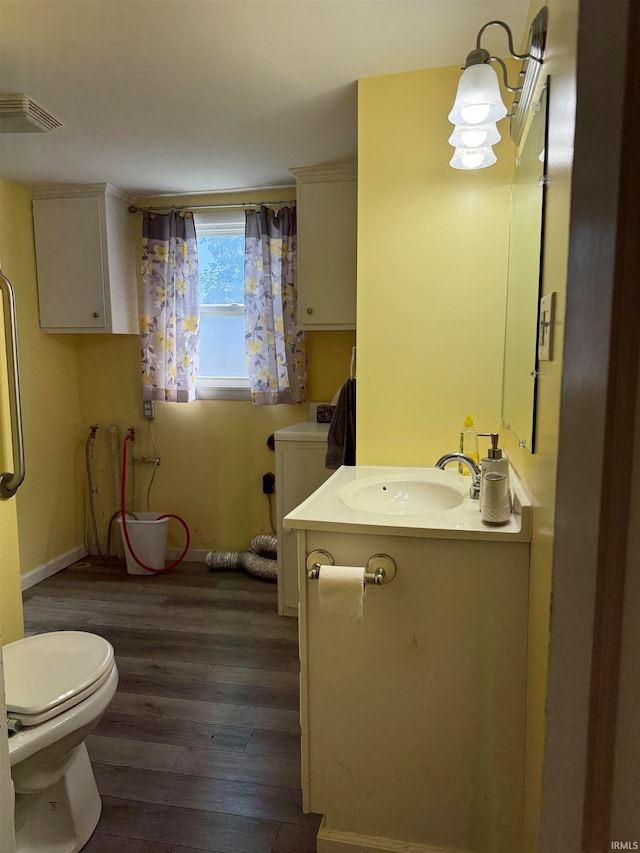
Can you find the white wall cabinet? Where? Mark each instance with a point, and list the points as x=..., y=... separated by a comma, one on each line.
x=327, y=202
x=300, y=454
x=86, y=259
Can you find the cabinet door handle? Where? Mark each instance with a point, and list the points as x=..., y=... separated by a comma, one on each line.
x=309, y=310
x=95, y=315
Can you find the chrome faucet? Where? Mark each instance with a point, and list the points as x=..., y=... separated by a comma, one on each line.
x=474, y=470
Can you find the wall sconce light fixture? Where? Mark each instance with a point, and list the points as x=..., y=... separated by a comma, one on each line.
x=479, y=105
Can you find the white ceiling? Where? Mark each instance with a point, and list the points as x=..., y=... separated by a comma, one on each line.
x=177, y=96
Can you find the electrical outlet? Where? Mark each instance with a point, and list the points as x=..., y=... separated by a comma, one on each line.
x=149, y=409
x=545, y=327
x=268, y=483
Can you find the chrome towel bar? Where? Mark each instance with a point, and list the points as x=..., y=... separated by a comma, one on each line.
x=10, y=481
x=380, y=568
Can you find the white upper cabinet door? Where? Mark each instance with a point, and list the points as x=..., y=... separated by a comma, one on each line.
x=327, y=201
x=85, y=253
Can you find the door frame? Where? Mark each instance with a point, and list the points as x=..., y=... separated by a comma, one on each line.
x=598, y=409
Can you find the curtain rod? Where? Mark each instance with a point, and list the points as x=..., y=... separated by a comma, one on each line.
x=134, y=209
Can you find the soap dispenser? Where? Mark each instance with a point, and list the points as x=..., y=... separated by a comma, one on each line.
x=495, y=488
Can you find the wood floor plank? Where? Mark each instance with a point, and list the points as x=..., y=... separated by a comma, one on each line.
x=253, y=677
x=168, y=638
x=254, y=600
x=169, y=580
x=205, y=691
x=100, y=843
x=210, y=831
x=95, y=605
x=176, y=732
x=295, y=839
x=240, y=767
x=54, y=621
x=274, y=619
x=49, y=604
x=206, y=623
x=244, y=582
x=190, y=652
x=142, y=755
x=164, y=668
x=173, y=790
x=83, y=592
x=281, y=744
x=206, y=712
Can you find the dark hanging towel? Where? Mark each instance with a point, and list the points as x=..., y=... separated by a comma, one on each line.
x=341, y=441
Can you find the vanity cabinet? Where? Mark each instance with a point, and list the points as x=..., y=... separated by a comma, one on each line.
x=327, y=201
x=86, y=259
x=300, y=455
x=413, y=717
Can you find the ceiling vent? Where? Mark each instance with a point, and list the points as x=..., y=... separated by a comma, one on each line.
x=19, y=114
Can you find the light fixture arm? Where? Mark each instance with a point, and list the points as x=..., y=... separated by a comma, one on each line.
x=509, y=37
x=479, y=90
x=504, y=75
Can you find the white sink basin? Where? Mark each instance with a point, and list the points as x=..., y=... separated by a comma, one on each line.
x=405, y=495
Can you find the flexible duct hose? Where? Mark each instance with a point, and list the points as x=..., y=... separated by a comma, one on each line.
x=253, y=563
x=260, y=566
x=264, y=544
x=129, y=437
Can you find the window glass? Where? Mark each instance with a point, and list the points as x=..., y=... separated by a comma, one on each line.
x=220, y=236
x=221, y=268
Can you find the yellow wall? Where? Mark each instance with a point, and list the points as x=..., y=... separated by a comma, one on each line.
x=432, y=268
x=213, y=453
x=49, y=503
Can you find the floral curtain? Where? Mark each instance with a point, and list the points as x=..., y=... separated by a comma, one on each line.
x=169, y=309
x=276, y=350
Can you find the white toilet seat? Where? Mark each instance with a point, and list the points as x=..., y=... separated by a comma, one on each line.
x=47, y=674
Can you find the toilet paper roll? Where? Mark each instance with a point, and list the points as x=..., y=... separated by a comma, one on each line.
x=341, y=591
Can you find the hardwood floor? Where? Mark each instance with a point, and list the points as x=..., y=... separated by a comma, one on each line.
x=200, y=747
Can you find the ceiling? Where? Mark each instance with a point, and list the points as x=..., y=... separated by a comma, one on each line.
x=181, y=96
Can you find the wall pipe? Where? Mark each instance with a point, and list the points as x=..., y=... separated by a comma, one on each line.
x=130, y=437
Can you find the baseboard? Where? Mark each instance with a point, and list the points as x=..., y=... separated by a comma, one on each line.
x=337, y=841
x=45, y=571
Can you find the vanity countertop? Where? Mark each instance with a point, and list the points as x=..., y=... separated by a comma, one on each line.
x=326, y=510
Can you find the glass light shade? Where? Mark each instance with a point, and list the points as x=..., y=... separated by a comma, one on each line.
x=474, y=135
x=478, y=100
x=473, y=158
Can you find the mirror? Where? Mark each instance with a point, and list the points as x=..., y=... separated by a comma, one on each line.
x=524, y=279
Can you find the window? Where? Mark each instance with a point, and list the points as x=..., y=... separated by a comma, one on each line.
x=223, y=367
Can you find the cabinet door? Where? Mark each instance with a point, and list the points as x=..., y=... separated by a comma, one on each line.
x=69, y=236
x=327, y=212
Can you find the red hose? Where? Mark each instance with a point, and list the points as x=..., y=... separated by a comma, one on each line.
x=166, y=515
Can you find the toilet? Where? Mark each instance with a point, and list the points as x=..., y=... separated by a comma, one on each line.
x=58, y=686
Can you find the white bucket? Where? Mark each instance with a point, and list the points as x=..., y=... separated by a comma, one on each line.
x=148, y=537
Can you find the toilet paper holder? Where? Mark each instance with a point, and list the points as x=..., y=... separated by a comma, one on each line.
x=380, y=568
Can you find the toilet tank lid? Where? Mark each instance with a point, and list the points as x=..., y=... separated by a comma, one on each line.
x=45, y=670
